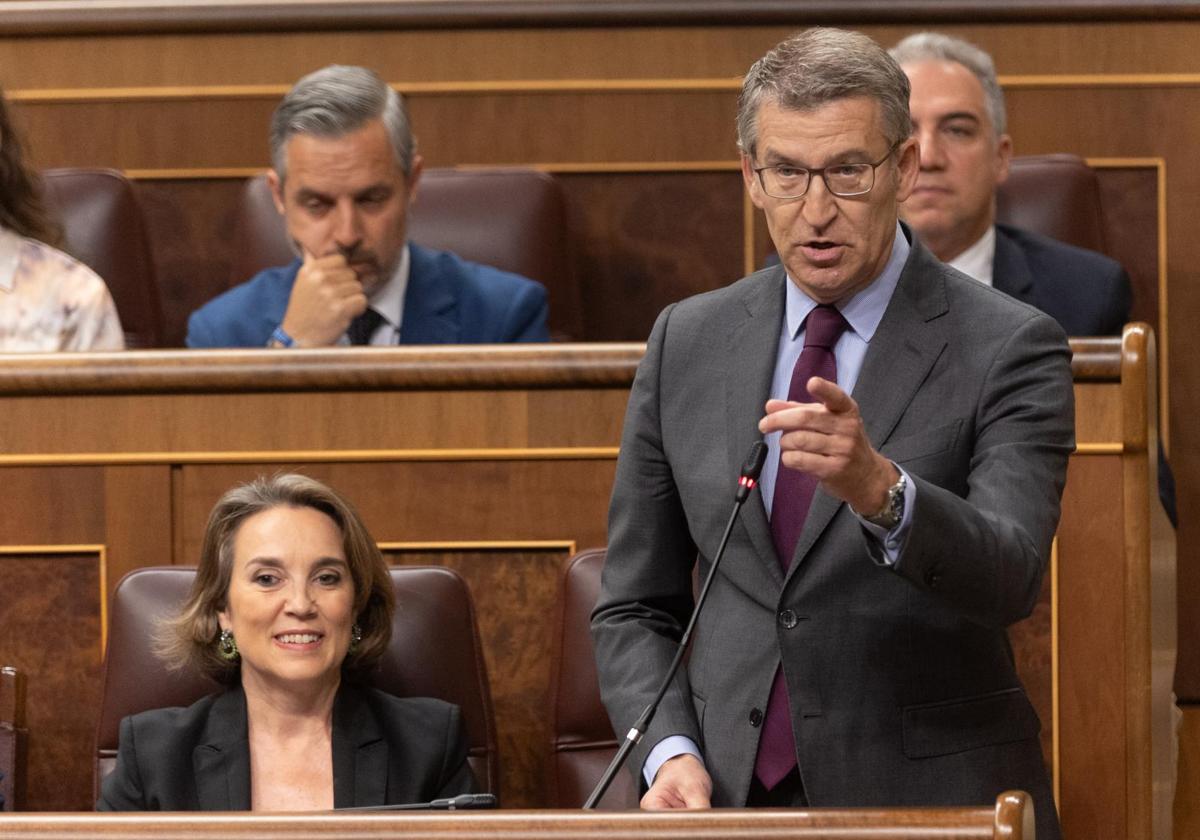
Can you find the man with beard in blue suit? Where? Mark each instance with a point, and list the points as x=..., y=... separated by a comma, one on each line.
x=344, y=171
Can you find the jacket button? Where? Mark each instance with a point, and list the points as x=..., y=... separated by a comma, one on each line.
x=932, y=578
x=756, y=717
x=787, y=618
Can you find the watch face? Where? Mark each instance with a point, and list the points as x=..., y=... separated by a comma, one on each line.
x=891, y=517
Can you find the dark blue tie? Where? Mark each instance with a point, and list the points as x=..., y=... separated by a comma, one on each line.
x=364, y=326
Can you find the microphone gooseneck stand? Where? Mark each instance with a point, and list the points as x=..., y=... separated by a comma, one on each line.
x=751, y=469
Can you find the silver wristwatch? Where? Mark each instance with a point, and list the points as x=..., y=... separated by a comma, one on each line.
x=893, y=509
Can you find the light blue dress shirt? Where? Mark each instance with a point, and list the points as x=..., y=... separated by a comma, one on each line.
x=863, y=312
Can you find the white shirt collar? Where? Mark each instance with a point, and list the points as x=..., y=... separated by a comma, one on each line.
x=388, y=301
x=977, y=261
x=10, y=257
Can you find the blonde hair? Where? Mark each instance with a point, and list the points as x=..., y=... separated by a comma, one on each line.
x=190, y=638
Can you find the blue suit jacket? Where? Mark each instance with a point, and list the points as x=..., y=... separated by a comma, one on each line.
x=448, y=301
x=1086, y=292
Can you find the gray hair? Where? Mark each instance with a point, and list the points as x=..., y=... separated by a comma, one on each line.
x=334, y=101
x=819, y=66
x=934, y=46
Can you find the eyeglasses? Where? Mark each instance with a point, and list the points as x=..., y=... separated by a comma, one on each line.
x=842, y=179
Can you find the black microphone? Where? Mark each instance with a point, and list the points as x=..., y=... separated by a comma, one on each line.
x=462, y=802
x=747, y=480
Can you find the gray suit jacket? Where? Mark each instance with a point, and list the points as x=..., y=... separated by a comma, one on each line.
x=902, y=681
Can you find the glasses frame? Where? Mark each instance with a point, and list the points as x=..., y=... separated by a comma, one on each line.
x=820, y=171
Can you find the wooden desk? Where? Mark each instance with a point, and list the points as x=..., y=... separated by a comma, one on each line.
x=499, y=461
x=1010, y=819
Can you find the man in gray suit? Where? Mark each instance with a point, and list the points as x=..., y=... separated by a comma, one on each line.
x=854, y=648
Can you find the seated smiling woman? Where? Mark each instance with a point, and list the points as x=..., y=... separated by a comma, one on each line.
x=292, y=602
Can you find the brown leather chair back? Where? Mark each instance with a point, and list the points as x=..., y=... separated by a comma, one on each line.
x=435, y=652
x=583, y=741
x=103, y=228
x=513, y=219
x=13, y=739
x=1054, y=195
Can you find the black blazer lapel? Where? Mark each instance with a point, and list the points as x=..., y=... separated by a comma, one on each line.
x=752, y=348
x=360, y=752
x=903, y=350
x=1010, y=269
x=221, y=761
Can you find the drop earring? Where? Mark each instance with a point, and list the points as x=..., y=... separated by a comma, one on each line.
x=227, y=647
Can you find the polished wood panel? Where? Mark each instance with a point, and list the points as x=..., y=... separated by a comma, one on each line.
x=1129, y=196
x=1092, y=723
x=1187, y=805
x=1011, y=819
x=14, y=739
x=51, y=615
x=192, y=224
x=146, y=17
x=515, y=590
x=642, y=241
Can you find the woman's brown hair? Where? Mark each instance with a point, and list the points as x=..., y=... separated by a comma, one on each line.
x=21, y=207
x=190, y=639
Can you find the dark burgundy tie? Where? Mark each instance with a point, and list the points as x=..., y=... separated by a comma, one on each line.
x=364, y=326
x=793, y=495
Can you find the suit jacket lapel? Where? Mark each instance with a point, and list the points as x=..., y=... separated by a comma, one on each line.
x=902, y=351
x=360, y=752
x=1010, y=269
x=753, y=345
x=221, y=760
x=430, y=304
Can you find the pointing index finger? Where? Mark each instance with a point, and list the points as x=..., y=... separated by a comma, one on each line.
x=830, y=395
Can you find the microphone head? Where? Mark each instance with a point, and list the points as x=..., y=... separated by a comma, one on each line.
x=752, y=466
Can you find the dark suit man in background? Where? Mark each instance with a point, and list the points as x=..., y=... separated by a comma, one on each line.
x=854, y=650
x=959, y=118
x=344, y=171
x=958, y=115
